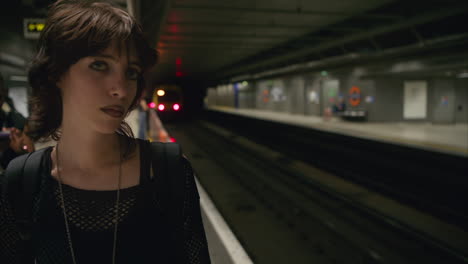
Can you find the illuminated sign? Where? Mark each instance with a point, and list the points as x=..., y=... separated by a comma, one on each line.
x=32, y=27
x=355, y=96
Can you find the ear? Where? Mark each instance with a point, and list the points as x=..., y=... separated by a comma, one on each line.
x=60, y=83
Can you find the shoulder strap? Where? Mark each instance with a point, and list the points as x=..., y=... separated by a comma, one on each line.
x=176, y=178
x=21, y=185
x=31, y=181
x=13, y=182
x=166, y=164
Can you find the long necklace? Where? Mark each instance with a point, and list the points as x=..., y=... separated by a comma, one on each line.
x=116, y=215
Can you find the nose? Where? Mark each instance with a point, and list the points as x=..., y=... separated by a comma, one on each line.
x=119, y=86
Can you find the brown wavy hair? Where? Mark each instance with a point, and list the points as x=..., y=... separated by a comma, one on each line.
x=76, y=29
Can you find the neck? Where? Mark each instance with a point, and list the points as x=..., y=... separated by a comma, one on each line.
x=89, y=151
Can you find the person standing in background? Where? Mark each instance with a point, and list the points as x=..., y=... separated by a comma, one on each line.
x=20, y=143
x=150, y=125
x=14, y=125
x=143, y=118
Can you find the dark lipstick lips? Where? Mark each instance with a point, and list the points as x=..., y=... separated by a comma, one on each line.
x=114, y=111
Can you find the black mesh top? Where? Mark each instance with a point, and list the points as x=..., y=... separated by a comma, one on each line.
x=143, y=230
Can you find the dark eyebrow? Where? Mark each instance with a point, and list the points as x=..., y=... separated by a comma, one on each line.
x=131, y=62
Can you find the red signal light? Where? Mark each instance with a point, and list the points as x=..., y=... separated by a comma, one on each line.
x=152, y=105
x=174, y=29
x=176, y=107
x=172, y=139
x=161, y=107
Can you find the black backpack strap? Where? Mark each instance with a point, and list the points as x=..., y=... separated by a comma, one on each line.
x=167, y=165
x=22, y=180
x=158, y=161
x=176, y=178
x=31, y=184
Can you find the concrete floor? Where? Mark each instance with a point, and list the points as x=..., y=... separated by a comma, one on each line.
x=452, y=139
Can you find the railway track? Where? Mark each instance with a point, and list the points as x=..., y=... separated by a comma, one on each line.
x=327, y=222
x=435, y=183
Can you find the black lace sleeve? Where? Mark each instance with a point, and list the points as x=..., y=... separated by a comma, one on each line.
x=9, y=235
x=196, y=246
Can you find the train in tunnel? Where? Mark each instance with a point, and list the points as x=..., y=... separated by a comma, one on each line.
x=168, y=101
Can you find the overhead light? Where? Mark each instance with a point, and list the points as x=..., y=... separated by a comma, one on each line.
x=18, y=78
x=160, y=93
x=463, y=75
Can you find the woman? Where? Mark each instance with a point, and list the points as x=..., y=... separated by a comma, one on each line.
x=142, y=118
x=90, y=207
x=19, y=144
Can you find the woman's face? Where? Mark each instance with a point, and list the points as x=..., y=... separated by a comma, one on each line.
x=98, y=90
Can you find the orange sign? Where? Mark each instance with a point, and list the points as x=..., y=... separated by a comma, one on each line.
x=266, y=96
x=355, y=96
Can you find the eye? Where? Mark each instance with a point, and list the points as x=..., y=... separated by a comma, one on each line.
x=133, y=74
x=99, y=66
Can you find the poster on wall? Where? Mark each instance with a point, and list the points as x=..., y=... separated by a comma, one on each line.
x=277, y=94
x=369, y=99
x=415, y=100
x=444, y=101
x=314, y=97
x=330, y=91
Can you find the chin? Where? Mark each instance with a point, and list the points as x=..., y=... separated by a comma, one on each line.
x=107, y=127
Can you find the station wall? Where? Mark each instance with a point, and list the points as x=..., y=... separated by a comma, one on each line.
x=461, y=101
x=296, y=89
x=388, y=104
x=312, y=95
x=386, y=98
x=246, y=96
x=442, y=101
x=368, y=94
x=272, y=95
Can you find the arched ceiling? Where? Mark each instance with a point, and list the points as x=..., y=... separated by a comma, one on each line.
x=214, y=40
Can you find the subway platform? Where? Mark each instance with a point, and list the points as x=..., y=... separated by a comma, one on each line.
x=446, y=138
